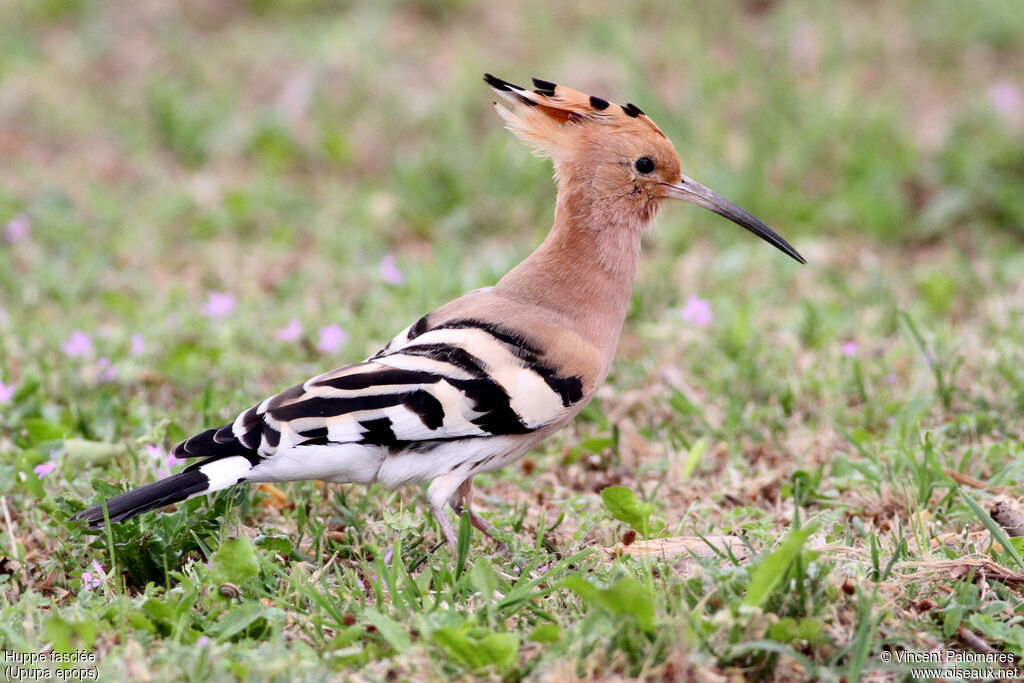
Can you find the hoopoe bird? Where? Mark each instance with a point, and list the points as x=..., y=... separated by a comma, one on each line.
x=475, y=384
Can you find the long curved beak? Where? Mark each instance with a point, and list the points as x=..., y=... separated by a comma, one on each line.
x=692, y=191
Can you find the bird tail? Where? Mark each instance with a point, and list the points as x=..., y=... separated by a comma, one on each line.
x=199, y=479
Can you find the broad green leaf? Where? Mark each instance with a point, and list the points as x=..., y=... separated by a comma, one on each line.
x=483, y=579
x=40, y=430
x=389, y=629
x=238, y=619
x=951, y=622
x=234, y=561
x=277, y=543
x=546, y=633
x=624, y=506
x=499, y=649
x=1010, y=635
x=596, y=444
x=478, y=651
x=626, y=596
x=789, y=629
x=140, y=622
x=68, y=636
x=459, y=646
x=159, y=612
x=767, y=575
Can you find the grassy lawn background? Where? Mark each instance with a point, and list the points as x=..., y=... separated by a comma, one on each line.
x=180, y=181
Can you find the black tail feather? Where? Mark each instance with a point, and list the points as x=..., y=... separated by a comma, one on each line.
x=173, y=489
x=220, y=443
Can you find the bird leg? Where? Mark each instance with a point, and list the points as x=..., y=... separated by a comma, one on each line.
x=464, y=500
x=439, y=493
x=458, y=492
x=437, y=509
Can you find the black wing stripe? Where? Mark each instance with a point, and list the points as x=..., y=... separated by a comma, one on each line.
x=490, y=399
x=225, y=434
x=365, y=380
x=446, y=353
x=317, y=433
x=519, y=345
x=271, y=436
x=523, y=347
x=205, y=445
x=320, y=406
x=378, y=432
x=290, y=394
x=418, y=328
x=569, y=388
x=427, y=407
x=251, y=439
x=251, y=419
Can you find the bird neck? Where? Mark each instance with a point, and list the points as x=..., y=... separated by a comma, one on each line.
x=583, y=270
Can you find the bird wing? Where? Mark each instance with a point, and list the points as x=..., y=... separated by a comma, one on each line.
x=460, y=379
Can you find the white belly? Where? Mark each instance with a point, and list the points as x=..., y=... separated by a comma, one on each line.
x=361, y=464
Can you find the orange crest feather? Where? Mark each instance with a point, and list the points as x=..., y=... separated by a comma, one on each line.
x=549, y=117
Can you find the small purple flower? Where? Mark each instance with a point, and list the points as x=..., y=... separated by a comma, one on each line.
x=805, y=47
x=219, y=305
x=138, y=345
x=387, y=557
x=44, y=469
x=892, y=378
x=105, y=371
x=164, y=464
x=6, y=392
x=17, y=229
x=203, y=641
x=359, y=582
x=290, y=332
x=91, y=582
x=1007, y=99
x=79, y=344
x=697, y=311
x=389, y=271
x=332, y=338
x=849, y=349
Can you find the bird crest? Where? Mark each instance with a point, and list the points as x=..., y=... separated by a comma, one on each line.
x=550, y=118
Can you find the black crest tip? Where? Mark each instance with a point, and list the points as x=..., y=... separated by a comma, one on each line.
x=632, y=110
x=499, y=84
x=598, y=103
x=546, y=88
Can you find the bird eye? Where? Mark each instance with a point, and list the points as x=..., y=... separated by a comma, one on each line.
x=644, y=165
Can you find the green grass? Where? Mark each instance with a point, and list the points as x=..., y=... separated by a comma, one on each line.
x=832, y=415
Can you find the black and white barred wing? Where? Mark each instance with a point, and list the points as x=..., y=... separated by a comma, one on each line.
x=461, y=396
x=447, y=384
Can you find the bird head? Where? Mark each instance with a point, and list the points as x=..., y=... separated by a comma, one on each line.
x=621, y=165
